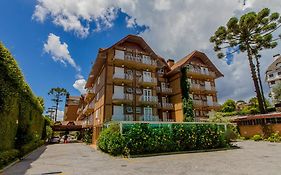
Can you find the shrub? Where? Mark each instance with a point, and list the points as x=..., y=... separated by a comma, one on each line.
x=275, y=137
x=87, y=136
x=151, y=138
x=256, y=137
x=111, y=141
x=20, y=110
x=8, y=156
x=27, y=148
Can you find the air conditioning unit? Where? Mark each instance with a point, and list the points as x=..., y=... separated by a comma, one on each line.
x=138, y=73
x=129, y=90
x=138, y=91
x=129, y=109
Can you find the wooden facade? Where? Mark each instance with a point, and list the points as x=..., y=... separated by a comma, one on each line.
x=129, y=82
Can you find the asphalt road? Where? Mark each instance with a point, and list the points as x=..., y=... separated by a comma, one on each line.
x=258, y=158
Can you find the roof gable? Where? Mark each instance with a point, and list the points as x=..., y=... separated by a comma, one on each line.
x=196, y=55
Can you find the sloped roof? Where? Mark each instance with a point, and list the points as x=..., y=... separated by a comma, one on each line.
x=273, y=65
x=100, y=60
x=197, y=54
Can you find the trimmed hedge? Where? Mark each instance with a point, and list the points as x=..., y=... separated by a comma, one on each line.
x=148, y=138
x=8, y=156
x=27, y=148
x=21, y=119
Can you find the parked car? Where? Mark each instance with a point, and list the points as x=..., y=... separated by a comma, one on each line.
x=55, y=139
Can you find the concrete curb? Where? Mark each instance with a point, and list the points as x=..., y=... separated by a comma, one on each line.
x=181, y=152
x=19, y=159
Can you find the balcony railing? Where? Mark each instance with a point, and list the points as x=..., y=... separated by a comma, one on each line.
x=199, y=71
x=124, y=96
x=197, y=87
x=167, y=105
x=149, y=118
x=148, y=80
x=165, y=90
x=141, y=59
x=124, y=117
x=123, y=76
x=145, y=98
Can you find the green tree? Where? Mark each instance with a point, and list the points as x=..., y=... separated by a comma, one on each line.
x=276, y=95
x=228, y=106
x=57, y=94
x=251, y=33
x=187, y=103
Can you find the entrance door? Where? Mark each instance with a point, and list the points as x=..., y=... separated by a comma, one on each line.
x=146, y=76
x=147, y=94
x=147, y=112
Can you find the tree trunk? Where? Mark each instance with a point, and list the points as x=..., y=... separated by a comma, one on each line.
x=256, y=84
x=259, y=78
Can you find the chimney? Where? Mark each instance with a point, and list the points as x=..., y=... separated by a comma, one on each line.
x=170, y=62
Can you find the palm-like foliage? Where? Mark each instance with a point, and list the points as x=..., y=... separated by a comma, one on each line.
x=57, y=93
x=251, y=33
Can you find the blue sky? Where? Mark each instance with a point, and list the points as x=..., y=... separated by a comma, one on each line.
x=25, y=37
x=42, y=34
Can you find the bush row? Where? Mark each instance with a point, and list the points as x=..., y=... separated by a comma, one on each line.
x=274, y=137
x=145, y=138
x=21, y=119
x=8, y=156
x=27, y=148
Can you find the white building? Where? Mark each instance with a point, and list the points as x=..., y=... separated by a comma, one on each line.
x=273, y=74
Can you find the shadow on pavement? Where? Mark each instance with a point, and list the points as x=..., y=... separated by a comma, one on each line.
x=22, y=166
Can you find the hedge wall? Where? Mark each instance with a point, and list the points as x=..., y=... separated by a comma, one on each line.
x=152, y=138
x=21, y=119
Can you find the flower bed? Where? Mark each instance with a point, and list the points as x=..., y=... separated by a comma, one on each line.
x=143, y=138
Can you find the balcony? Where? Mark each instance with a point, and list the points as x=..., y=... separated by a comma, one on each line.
x=198, y=73
x=199, y=104
x=166, y=106
x=90, y=94
x=164, y=90
x=122, y=98
x=203, y=89
x=89, y=108
x=122, y=79
x=136, y=62
x=149, y=118
x=213, y=105
x=148, y=100
x=148, y=81
x=124, y=117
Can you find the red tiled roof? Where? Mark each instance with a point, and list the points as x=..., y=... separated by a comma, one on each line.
x=259, y=116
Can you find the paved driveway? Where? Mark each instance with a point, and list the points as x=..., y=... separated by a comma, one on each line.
x=258, y=158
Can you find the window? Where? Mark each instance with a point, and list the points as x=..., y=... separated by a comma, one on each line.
x=138, y=110
x=270, y=75
x=119, y=54
x=279, y=73
x=273, y=82
x=138, y=73
x=99, y=80
x=161, y=71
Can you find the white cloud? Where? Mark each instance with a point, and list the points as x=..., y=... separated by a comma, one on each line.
x=59, y=51
x=131, y=22
x=175, y=29
x=80, y=85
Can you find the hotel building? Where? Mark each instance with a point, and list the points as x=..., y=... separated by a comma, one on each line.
x=130, y=82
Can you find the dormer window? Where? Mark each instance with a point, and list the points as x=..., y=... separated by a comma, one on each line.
x=270, y=75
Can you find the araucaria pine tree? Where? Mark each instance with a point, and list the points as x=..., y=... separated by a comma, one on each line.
x=252, y=33
x=187, y=103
